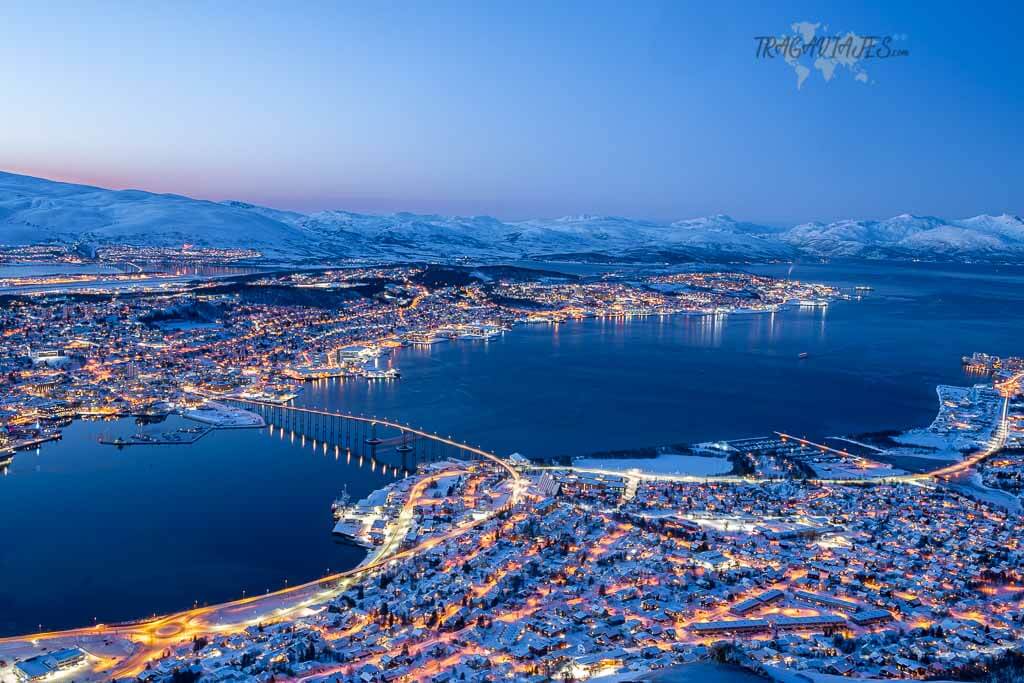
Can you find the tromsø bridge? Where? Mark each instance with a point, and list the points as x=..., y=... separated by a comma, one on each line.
x=364, y=435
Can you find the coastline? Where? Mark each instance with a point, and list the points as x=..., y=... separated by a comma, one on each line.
x=573, y=319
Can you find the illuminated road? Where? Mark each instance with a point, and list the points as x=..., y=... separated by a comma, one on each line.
x=996, y=443
x=152, y=637
x=639, y=475
x=810, y=444
x=473, y=450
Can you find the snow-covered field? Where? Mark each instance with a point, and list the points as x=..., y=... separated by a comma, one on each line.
x=932, y=446
x=839, y=471
x=674, y=463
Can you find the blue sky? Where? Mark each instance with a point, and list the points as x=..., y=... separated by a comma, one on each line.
x=518, y=109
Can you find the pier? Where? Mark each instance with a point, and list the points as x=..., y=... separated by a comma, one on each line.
x=181, y=437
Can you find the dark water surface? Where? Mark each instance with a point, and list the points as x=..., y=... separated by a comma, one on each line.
x=92, y=531
x=597, y=385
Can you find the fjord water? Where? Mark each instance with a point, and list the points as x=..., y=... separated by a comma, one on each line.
x=595, y=385
x=91, y=531
x=96, y=532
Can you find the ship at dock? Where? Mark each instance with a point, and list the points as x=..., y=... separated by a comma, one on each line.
x=388, y=373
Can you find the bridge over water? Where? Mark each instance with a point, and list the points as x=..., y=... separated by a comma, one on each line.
x=366, y=436
x=149, y=638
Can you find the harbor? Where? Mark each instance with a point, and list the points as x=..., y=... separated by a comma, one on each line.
x=250, y=489
x=211, y=415
x=182, y=436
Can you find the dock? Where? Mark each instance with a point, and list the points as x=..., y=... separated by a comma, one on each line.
x=175, y=438
x=27, y=444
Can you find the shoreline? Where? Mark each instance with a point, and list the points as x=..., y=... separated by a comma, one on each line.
x=365, y=560
x=635, y=458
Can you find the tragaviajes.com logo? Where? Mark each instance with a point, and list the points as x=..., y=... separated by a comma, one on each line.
x=806, y=49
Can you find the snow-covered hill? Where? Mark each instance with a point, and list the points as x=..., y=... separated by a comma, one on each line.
x=36, y=211
x=907, y=236
x=710, y=238
x=33, y=211
x=406, y=235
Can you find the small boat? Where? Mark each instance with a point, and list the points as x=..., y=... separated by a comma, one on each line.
x=803, y=355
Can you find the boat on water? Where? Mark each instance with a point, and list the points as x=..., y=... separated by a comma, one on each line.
x=389, y=373
x=755, y=309
x=428, y=341
x=803, y=355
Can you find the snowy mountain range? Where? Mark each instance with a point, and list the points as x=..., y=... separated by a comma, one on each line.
x=907, y=237
x=38, y=211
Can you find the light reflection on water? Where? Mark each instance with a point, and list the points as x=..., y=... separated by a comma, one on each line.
x=95, y=531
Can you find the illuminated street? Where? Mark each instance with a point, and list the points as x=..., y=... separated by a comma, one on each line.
x=789, y=552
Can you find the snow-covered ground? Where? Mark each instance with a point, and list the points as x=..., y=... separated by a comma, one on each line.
x=968, y=419
x=784, y=675
x=929, y=445
x=224, y=417
x=670, y=463
x=870, y=470
x=973, y=486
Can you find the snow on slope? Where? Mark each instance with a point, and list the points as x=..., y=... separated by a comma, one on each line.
x=723, y=234
x=408, y=234
x=908, y=236
x=700, y=238
x=34, y=211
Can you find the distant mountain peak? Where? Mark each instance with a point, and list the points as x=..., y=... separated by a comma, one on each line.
x=912, y=236
x=35, y=210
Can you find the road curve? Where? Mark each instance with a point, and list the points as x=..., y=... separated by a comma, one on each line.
x=157, y=634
